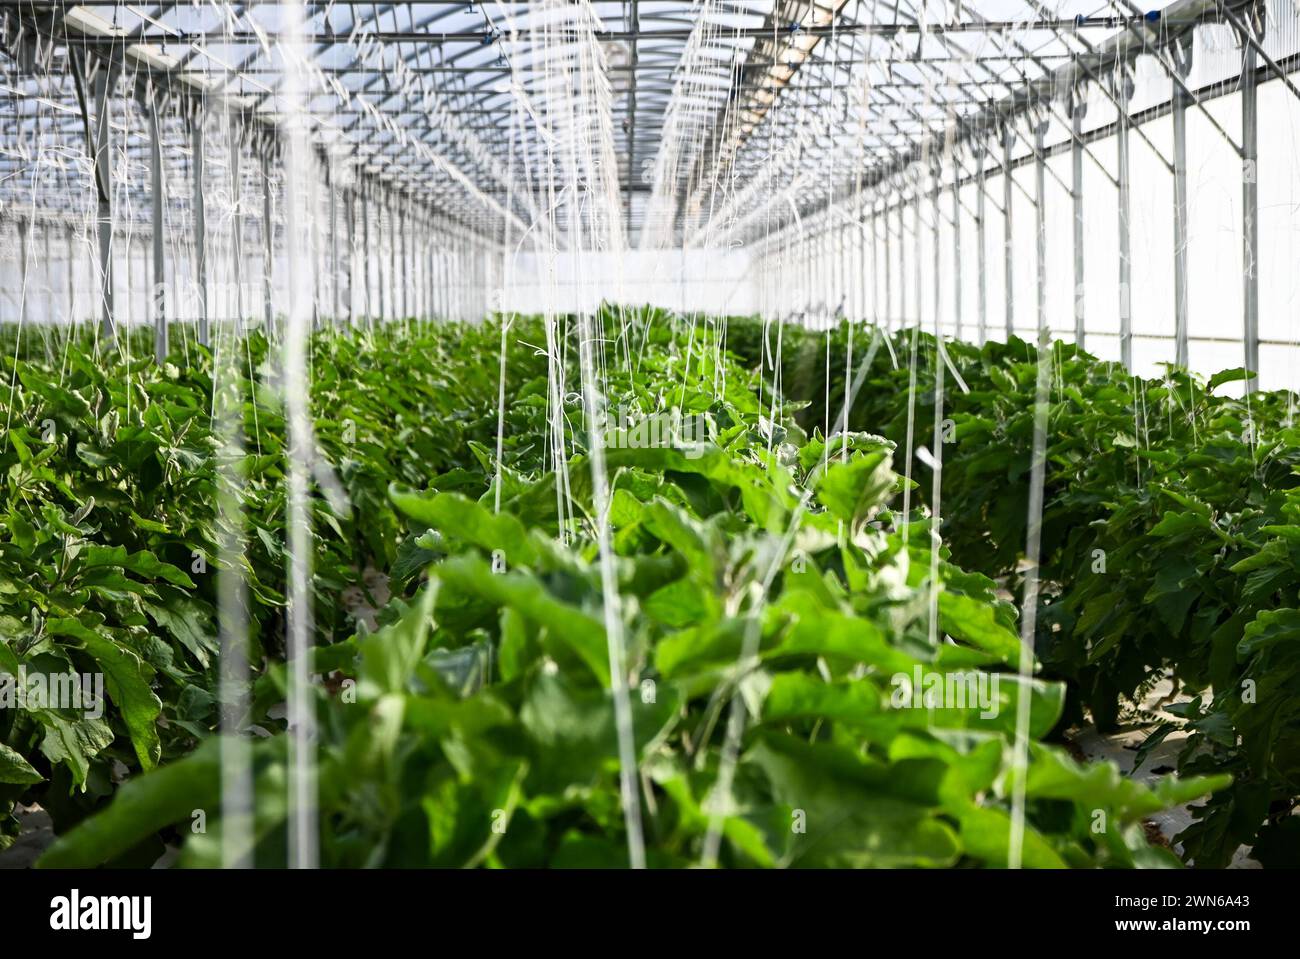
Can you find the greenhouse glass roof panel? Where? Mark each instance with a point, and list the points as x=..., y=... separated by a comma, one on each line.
x=690, y=102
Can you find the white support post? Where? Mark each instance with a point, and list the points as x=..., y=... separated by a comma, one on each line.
x=331, y=185
x=981, y=250
x=200, y=226
x=1182, y=55
x=156, y=223
x=956, y=249
x=1250, y=211
x=237, y=222
x=1040, y=222
x=1124, y=94
x=1078, y=109
x=268, y=243
x=1008, y=236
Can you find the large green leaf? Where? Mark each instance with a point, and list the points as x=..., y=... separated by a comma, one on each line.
x=15, y=769
x=170, y=794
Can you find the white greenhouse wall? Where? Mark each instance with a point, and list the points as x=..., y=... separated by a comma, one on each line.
x=710, y=281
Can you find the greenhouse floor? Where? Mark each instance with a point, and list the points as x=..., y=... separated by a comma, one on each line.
x=1121, y=748
x=34, y=837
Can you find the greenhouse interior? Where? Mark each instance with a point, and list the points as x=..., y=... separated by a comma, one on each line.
x=735, y=434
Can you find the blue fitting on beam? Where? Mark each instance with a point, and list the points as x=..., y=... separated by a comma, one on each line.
x=796, y=26
x=1152, y=16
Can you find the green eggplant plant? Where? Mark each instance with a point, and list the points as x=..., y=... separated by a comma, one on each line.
x=781, y=619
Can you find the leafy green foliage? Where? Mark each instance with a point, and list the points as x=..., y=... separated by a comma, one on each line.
x=110, y=536
x=475, y=727
x=1170, y=538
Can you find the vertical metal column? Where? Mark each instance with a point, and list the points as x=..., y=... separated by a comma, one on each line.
x=71, y=237
x=380, y=299
x=859, y=255
x=146, y=270
x=898, y=256
x=144, y=273
x=435, y=282
x=1182, y=56
x=814, y=272
x=156, y=223
x=441, y=279
x=384, y=230
x=268, y=242
x=803, y=296
x=334, y=244
x=448, y=277
x=237, y=222
x=200, y=225
x=1078, y=108
x=480, y=281
x=876, y=272
x=918, y=247
x=956, y=249
x=317, y=250
x=1250, y=210
x=350, y=200
x=24, y=225
x=853, y=271
x=826, y=251
x=936, y=235
x=406, y=277
x=887, y=272
x=430, y=272
x=456, y=278
x=105, y=82
x=809, y=270
x=399, y=243
x=981, y=250
x=850, y=243
x=366, y=250
x=377, y=298
x=1124, y=94
x=807, y=265
x=124, y=252
x=435, y=267
x=841, y=287
x=853, y=263
x=841, y=300
x=394, y=307
x=413, y=261
x=847, y=273
x=413, y=243
x=444, y=272
x=836, y=236
x=826, y=264
x=1040, y=220
x=46, y=229
x=1008, y=246
x=814, y=267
